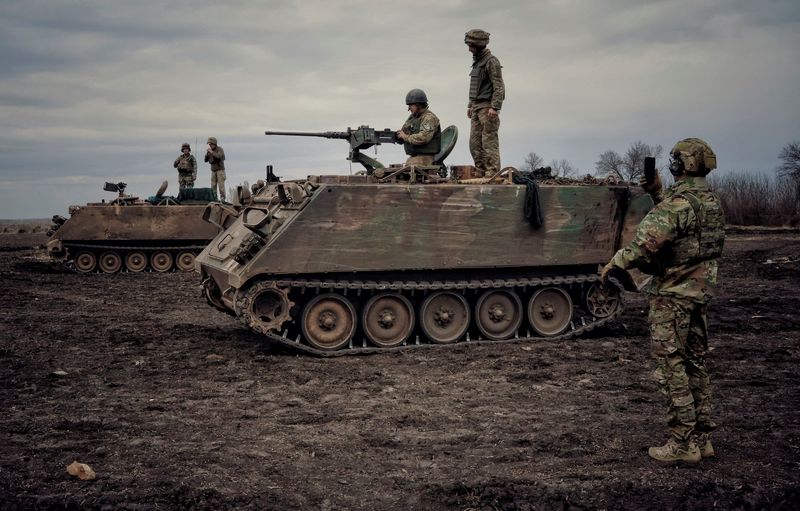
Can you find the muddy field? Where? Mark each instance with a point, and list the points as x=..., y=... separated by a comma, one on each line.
x=175, y=405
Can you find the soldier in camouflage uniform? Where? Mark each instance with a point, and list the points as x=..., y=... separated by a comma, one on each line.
x=187, y=167
x=421, y=134
x=678, y=243
x=486, y=95
x=216, y=157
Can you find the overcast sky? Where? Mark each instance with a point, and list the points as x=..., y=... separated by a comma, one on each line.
x=108, y=90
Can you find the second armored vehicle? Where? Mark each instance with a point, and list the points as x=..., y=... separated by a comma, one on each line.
x=161, y=233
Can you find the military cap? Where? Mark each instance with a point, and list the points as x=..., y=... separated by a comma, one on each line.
x=212, y=140
x=186, y=145
x=697, y=156
x=477, y=37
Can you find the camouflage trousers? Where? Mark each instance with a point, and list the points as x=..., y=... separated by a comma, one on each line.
x=185, y=180
x=420, y=159
x=218, y=181
x=483, y=142
x=679, y=330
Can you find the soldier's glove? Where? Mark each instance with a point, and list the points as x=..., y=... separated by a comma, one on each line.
x=651, y=188
x=605, y=272
x=615, y=276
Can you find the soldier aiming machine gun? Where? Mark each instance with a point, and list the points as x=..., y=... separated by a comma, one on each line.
x=360, y=138
x=365, y=137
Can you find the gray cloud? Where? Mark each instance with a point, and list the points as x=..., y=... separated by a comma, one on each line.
x=109, y=90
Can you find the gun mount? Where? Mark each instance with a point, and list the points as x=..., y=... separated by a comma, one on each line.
x=360, y=138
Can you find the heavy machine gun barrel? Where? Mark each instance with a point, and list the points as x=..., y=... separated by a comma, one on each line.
x=322, y=134
x=359, y=138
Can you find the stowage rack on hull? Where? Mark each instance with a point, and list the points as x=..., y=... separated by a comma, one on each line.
x=342, y=265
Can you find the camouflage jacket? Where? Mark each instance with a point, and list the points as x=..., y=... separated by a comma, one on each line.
x=425, y=133
x=216, y=158
x=678, y=242
x=486, y=87
x=186, y=164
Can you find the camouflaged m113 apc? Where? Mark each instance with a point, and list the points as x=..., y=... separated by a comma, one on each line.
x=400, y=257
x=161, y=233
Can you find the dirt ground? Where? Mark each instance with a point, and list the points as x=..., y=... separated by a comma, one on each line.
x=175, y=405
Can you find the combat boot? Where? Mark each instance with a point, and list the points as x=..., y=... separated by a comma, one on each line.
x=676, y=450
x=703, y=441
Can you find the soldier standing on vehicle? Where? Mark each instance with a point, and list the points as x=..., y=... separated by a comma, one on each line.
x=216, y=157
x=187, y=167
x=421, y=134
x=486, y=95
x=678, y=243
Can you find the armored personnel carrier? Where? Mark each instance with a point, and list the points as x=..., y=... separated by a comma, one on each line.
x=402, y=257
x=161, y=233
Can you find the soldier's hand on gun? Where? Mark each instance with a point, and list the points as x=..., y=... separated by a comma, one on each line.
x=402, y=135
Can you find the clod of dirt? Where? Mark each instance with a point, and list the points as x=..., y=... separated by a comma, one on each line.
x=81, y=470
x=60, y=373
x=215, y=359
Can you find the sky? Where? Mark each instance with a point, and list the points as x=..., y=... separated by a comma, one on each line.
x=95, y=91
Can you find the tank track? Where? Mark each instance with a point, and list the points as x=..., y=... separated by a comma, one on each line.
x=577, y=326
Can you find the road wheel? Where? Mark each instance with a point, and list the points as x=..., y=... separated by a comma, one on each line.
x=161, y=260
x=601, y=301
x=388, y=319
x=550, y=311
x=498, y=314
x=444, y=317
x=136, y=261
x=185, y=261
x=85, y=261
x=329, y=321
x=110, y=262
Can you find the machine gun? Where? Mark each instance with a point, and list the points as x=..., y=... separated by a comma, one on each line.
x=360, y=138
x=115, y=187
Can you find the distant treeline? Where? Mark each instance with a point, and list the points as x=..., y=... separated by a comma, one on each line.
x=757, y=199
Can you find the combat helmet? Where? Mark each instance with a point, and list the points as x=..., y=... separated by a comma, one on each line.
x=212, y=140
x=186, y=145
x=477, y=37
x=696, y=155
x=416, y=96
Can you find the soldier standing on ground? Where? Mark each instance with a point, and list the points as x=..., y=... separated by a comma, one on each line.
x=678, y=243
x=216, y=157
x=187, y=167
x=421, y=134
x=486, y=95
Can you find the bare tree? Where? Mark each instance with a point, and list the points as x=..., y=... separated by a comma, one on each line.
x=532, y=162
x=562, y=168
x=790, y=165
x=790, y=161
x=634, y=159
x=609, y=164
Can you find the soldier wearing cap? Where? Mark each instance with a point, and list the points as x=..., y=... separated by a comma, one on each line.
x=187, y=167
x=216, y=157
x=421, y=134
x=486, y=95
x=678, y=243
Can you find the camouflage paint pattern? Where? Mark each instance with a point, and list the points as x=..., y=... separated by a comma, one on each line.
x=484, y=144
x=391, y=227
x=135, y=223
